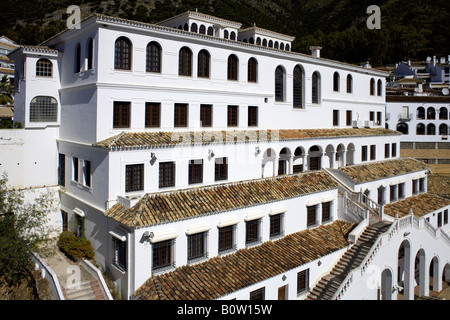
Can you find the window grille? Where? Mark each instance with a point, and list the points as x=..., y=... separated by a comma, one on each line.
x=163, y=255
x=233, y=116
x=43, y=109
x=44, y=68
x=195, y=171
x=185, y=62
x=203, y=64
x=166, y=174
x=197, y=246
x=122, y=57
x=134, y=177
x=152, y=115
x=232, y=67
x=227, y=239
x=119, y=258
x=122, y=115
x=153, y=57
x=298, y=87
x=221, y=169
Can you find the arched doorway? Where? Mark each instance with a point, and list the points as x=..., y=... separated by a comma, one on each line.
x=329, y=152
x=315, y=158
x=284, y=162
x=268, y=163
x=404, y=279
x=350, y=154
x=299, y=160
x=420, y=273
x=434, y=275
x=386, y=285
x=340, y=156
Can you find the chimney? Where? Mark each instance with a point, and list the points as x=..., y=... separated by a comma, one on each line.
x=315, y=51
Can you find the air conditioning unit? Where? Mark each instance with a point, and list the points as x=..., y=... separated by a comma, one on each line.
x=368, y=124
x=357, y=123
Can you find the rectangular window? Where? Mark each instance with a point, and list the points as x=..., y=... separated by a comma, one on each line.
x=122, y=115
x=393, y=193
x=387, y=149
x=252, y=116
x=394, y=150
x=221, y=169
x=258, y=294
x=349, y=118
x=364, y=153
x=252, y=231
x=233, y=114
x=181, y=115
x=120, y=254
x=373, y=152
x=445, y=216
x=372, y=116
x=87, y=173
x=197, y=246
x=422, y=185
x=311, y=215
x=401, y=191
x=302, y=281
x=335, y=118
x=227, y=238
x=163, y=254
x=381, y=191
x=166, y=174
x=62, y=170
x=415, y=186
x=134, y=177
x=195, y=171
x=326, y=212
x=379, y=117
x=276, y=225
x=439, y=219
x=206, y=115
x=152, y=115
x=75, y=169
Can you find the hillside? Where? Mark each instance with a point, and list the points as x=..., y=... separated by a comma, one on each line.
x=409, y=29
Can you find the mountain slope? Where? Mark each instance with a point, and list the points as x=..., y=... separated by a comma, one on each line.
x=409, y=29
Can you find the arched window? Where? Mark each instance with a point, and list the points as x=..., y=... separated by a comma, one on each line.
x=77, y=58
x=194, y=27
x=282, y=46
x=233, y=63
x=251, y=40
x=185, y=62
x=225, y=34
x=44, y=68
x=264, y=43
x=287, y=48
x=203, y=64
x=210, y=31
x=403, y=128
x=298, y=87
x=279, y=84
x=379, y=87
x=336, y=79
x=372, y=87
x=43, y=109
x=276, y=45
x=90, y=54
x=349, y=83
x=233, y=35
x=431, y=113
x=315, y=94
x=443, y=129
x=186, y=27
x=122, y=57
x=252, y=70
x=153, y=63
x=420, y=129
x=270, y=44
x=258, y=41
x=443, y=113
x=431, y=129
x=202, y=29
x=420, y=113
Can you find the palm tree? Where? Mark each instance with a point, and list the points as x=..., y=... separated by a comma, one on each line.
x=6, y=91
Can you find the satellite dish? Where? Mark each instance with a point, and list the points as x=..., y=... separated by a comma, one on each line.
x=445, y=91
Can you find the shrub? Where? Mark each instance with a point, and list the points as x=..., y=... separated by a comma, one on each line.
x=77, y=248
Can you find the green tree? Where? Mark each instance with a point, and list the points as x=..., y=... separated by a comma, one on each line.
x=23, y=228
x=6, y=91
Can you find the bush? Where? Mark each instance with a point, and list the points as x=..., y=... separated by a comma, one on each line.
x=77, y=248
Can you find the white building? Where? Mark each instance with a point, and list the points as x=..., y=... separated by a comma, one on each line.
x=180, y=150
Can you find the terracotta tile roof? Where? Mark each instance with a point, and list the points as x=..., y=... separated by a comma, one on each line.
x=166, y=207
x=384, y=169
x=155, y=139
x=421, y=204
x=219, y=276
x=439, y=185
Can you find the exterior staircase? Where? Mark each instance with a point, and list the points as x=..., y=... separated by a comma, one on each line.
x=330, y=283
x=87, y=290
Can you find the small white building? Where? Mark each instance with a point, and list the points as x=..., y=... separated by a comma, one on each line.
x=177, y=150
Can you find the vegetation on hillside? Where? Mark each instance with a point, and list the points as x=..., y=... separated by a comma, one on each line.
x=409, y=29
